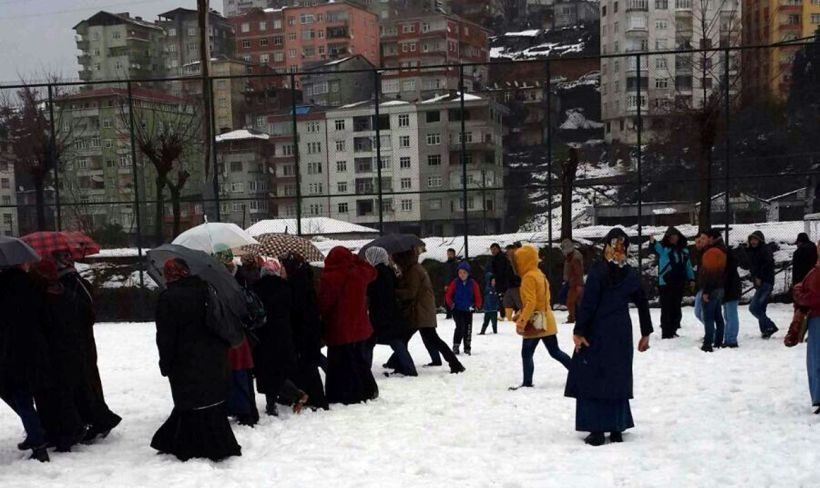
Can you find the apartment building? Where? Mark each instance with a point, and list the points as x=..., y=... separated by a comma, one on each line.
x=118, y=47
x=181, y=40
x=8, y=191
x=668, y=82
x=246, y=175
x=567, y=13
x=234, y=8
x=415, y=51
x=768, y=22
x=340, y=82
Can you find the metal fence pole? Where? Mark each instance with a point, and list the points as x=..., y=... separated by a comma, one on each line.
x=135, y=173
x=296, y=155
x=548, y=135
x=52, y=156
x=212, y=142
x=727, y=203
x=376, y=116
x=464, y=163
x=639, y=122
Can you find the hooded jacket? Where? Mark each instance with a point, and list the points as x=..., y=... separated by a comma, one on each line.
x=490, y=295
x=804, y=259
x=761, y=261
x=343, y=298
x=672, y=258
x=535, y=294
x=416, y=299
x=463, y=295
x=712, y=269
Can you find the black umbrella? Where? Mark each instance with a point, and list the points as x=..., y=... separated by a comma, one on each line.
x=14, y=252
x=206, y=267
x=394, y=243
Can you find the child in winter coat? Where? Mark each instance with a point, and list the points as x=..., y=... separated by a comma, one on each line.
x=490, y=306
x=463, y=297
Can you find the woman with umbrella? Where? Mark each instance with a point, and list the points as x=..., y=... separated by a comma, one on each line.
x=195, y=361
x=342, y=302
x=600, y=376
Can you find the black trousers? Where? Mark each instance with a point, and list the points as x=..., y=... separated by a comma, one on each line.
x=671, y=296
x=464, y=329
x=436, y=344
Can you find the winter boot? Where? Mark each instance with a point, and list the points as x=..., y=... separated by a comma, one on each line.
x=707, y=348
x=25, y=445
x=272, y=410
x=616, y=437
x=455, y=349
x=40, y=454
x=432, y=365
x=456, y=368
x=516, y=388
x=595, y=439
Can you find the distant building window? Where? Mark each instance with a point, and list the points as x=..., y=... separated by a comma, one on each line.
x=404, y=162
x=341, y=166
x=245, y=27
x=404, y=120
x=434, y=160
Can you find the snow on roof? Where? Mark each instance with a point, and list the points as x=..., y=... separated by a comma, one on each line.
x=468, y=97
x=310, y=226
x=525, y=33
x=339, y=61
x=435, y=99
x=576, y=120
x=496, y=52
x=664, y=211
x=241, y=134
x=355, y=104
x=393, y=103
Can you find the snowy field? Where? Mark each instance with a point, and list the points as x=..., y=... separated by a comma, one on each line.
x=732, y=418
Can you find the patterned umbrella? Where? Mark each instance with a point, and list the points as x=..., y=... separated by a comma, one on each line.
x=47, y=243
x=14, y=251
x=276, y=245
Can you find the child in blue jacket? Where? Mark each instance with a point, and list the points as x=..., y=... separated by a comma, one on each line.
x=490, y=305
x=463, y=297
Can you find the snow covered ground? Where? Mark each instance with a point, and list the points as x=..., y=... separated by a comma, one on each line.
x=732, y=418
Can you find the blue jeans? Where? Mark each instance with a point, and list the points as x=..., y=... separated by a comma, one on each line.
x=401, y=356
x=732, y=323
x=813, y=360
x=710, y=316
x=22, y=402
x=699, y=306
x=760, y=301
x=528, y=351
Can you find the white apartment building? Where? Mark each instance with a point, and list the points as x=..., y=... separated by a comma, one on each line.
x=8, y=192
x=668, y=82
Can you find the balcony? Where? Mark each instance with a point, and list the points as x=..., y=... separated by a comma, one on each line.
x=82, y=42
x=683, y=4
x=637, y=6
x=84, y=59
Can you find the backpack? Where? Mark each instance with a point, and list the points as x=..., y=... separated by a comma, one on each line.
x=675, y=270
x=257, y=316
x=222, y=321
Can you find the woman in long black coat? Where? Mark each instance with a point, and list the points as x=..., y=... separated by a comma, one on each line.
x=389, y=327
x=274, y=356
x=600, y=376
x=195, y=361
x=306, y=327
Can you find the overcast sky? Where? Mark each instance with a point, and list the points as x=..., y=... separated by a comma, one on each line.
x=36, y=35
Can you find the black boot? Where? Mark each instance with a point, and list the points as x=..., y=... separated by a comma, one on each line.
x=616, y=437
x=595, y=439
x=40, y=454
x=456, y=367
x=817, y=412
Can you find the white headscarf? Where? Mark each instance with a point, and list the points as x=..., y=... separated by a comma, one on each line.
x=376, y=256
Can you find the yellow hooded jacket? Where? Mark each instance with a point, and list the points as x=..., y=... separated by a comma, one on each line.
x=535, y=293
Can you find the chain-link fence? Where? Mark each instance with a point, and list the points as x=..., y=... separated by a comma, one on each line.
x=535, y=151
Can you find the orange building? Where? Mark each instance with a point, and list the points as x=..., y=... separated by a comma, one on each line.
x=773, y=21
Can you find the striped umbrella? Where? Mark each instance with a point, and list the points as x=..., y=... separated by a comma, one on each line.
x=278, y=245
x=47, y=243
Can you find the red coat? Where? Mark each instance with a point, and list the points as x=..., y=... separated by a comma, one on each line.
x=807, y=293
x=343, y=298
x=240, y=357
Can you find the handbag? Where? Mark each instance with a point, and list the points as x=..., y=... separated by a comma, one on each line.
x=797, y=328
x=538, y=320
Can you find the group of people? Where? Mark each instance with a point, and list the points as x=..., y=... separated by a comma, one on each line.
x=48, y=356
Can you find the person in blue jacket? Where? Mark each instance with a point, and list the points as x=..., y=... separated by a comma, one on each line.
x=674, y=272
x=491, y=304
x=463, y=297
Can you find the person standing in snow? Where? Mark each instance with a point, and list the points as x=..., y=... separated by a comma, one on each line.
x=804, y=258
x=450, y=273
x=343, y=305
x=674, y=272
x=732, y=291
x=512, y=297
x=418, y=306
x=761, y=267
x=501, y=268
x=600, y=377
x=573, y=277
x=807, y=297
x=536, y=322
x=195, y=361
x=490, y=305
x=711, y=279
x=463, y=297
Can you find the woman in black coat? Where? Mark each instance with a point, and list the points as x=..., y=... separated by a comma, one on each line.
x=600, y=376
x=274, y=356
x=306, y=327
x=195, y=361
x=389, y=327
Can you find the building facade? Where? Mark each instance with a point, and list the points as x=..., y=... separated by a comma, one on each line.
x=8, y=191
x=567, y=13
x=119, y=47
x=340, y=82
x=416, y=50
x=668, y=82
x=181, y=40
x=246, y=175
x=234, y=8
x=769, y=22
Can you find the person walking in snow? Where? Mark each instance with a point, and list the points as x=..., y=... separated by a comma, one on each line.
x=573, y=277
x=501, y=267
x=804, y=258
x=418, y=306
x=732, y=291
x=195, y=361
x=600, y=377
x=491, y=304
x=389, y=327
x=450, y=273
x=674, y=272
x=761, y=267
x=343, y=305
x=711, y=279
x=807, y=297
x=536, y=322
x=463, y=297
x=511, y=302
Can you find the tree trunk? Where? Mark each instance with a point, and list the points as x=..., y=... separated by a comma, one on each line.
x=160, y=210
x=568, y=174
x=707, y=139
x=40, y=201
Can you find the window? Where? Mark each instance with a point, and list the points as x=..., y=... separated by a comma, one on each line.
x=433, y=139
x=263, y=42
x=425, y=26
x=5, y=183
x=406, y=28
x=661, y=82
x=263, y=59
x=660, y=44
x=615, y=7
x=172, y=32
x=661, y=4
x=343, y=208
x=236, y=166
x=313, y=127
x=406, y=184
x=340, y=124
x=404, y=120
x=433, y=117
x=434, y=182
x=390, y=86
x=404, y=162
x=291, y=53
x=314, y=147
x=341, y=187
x=278, y=57
x=314, y=168
x=340, y=146
x=408, y=85
x=661, y=25
x=434, y=204
x=315, y=209
x=291, y=36
x=341, y=166
x=245, y=27
x=404, y=141
x=660, y=63
x=263, y=26
x=315, y=188
x=407, y=205
x=237, y=187
x=434, y=160
x=815, y=18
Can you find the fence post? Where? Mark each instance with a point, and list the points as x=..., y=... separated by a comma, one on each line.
x=52, y=156
x=548, y=135
x=214, y=150
x=639, y=122
x=377, y=114
x=135, y=173
x=728, y=107
x=296, y=155
x=464, y=163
